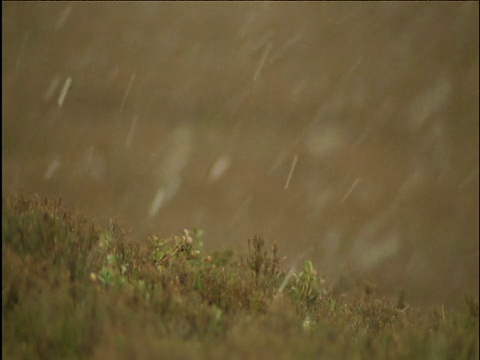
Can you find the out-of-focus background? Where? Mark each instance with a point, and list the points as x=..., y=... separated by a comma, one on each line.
x=346, y=132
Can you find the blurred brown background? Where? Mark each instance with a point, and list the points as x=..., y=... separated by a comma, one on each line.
x=346, y=132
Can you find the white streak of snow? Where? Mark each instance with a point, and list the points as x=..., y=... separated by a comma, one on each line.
x=266, y=51
x=128, y=141
x=219, y=168
x=127, y=92
x=292, y=168
x=52, y=168
x=63, y=93
x=62, y=19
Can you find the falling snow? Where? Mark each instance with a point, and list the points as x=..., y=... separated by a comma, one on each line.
x=348, y=133
x=63, y=93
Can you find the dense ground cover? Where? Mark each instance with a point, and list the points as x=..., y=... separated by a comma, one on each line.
x=71, y=290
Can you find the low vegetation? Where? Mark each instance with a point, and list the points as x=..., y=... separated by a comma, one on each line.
x=71, y=291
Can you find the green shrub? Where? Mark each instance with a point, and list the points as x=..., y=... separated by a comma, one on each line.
x=70, y=290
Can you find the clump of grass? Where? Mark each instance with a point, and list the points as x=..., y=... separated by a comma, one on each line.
x=72, y=290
